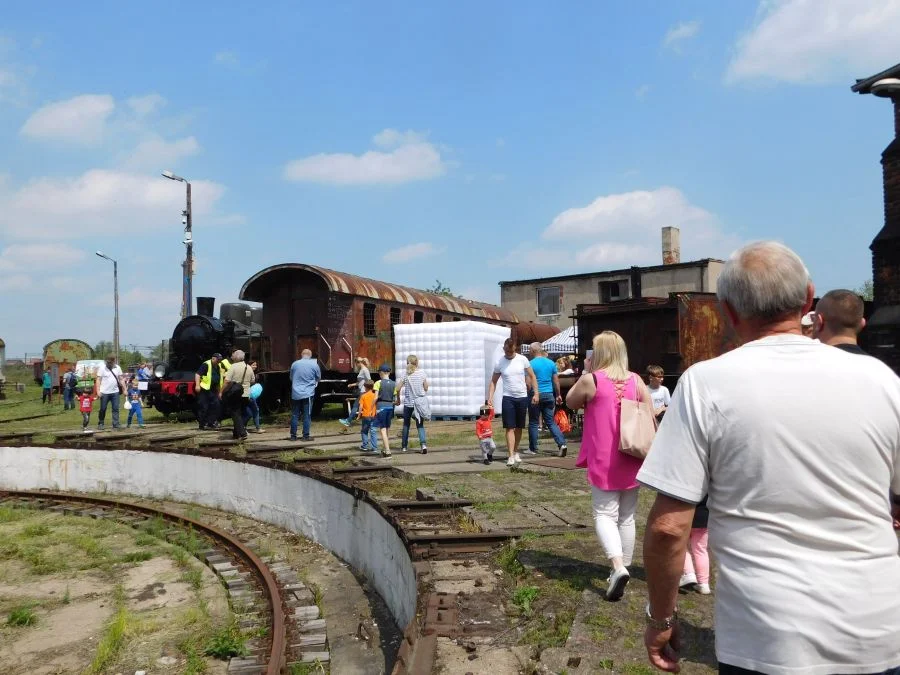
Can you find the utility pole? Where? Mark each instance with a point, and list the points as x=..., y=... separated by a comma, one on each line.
x=187, y=277
x=115, y=303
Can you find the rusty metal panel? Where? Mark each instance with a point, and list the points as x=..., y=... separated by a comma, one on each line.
x=66, y=352
x=704, y=330
x=256, y=288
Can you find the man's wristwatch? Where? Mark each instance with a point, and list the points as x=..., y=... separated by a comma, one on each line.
x=661, y=624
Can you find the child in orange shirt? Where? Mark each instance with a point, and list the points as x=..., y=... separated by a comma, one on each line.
x=485, y=431
x=367, y=415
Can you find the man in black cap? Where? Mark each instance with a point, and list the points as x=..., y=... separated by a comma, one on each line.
x=207, y=383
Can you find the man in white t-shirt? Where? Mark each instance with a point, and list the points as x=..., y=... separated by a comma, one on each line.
x=800, y=485
x=514, y=368
x=108, y=385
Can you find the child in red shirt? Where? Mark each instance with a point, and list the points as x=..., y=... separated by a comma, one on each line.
x=85, y=404
x=485, y=431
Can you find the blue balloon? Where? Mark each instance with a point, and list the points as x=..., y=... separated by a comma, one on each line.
x=255, y=390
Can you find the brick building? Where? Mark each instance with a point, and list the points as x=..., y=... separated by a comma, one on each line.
x=552, y=300
x=884, y=324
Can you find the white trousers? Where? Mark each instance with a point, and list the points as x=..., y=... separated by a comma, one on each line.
x=614, y=520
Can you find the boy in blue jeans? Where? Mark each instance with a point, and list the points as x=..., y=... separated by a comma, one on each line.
x=367, y=415
x=134, y=398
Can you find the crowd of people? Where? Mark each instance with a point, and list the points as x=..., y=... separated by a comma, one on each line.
x=783, y=457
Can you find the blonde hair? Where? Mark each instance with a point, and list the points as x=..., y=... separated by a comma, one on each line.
x=562, y=363
x=412, y=363
x=610, y=355
x=363, y=360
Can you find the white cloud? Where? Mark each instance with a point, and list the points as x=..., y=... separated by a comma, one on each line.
x=151, y=298
x=807, y=41
x=642, y=91
x=226, y=58
x=621, y=230
x=15, y=282
x=156, y=152
x=410, y=158
x=80, y=120
x=26, y=256
x=391, y=138
x=410, y=252
x=144, y=106
x=639, y=210
x=680, y=32
x=99, y=202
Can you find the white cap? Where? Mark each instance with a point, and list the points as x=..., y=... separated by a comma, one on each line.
x=808, y=319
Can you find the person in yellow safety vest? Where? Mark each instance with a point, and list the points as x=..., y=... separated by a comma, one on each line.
x=207, y=383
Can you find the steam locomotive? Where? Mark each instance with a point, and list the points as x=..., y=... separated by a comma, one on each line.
x=337, y=316
x=194, y=340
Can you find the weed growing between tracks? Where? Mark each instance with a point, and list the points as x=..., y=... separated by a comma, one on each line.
x=67, y=580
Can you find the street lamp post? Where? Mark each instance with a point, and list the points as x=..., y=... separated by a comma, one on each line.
x=115, y=303
x=188, y=265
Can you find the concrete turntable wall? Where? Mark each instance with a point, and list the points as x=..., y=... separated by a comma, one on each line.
x=351, y=529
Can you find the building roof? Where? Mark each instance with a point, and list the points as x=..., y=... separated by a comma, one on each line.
x=704, y=262
x=864, y=85
x=256, y=289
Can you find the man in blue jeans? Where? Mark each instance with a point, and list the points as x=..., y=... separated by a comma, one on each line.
x=549, y=397
x=305, y=376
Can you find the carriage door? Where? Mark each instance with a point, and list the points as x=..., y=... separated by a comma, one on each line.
x=305, y=329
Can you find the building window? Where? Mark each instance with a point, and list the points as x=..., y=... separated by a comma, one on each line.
x=395, y=316
x=548, y=300
x=369, y=319
x=610, y=291
x=418, y=317
x=438, y=318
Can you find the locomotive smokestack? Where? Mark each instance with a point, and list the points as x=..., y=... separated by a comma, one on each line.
x=206, y=307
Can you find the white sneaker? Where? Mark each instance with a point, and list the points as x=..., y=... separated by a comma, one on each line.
x=703, y=589
x=511, y=461
x=687, y=580
x=517, y=458
x=617, y=582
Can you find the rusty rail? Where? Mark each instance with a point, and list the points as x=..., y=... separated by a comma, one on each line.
x=276, y=660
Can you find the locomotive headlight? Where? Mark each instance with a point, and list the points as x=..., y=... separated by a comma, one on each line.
x=160, y=370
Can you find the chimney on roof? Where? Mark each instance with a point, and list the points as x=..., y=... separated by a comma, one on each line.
x=671, y=245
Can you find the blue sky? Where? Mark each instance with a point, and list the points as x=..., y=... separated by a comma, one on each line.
x=468, y=142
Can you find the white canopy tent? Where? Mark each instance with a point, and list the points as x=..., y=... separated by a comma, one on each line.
x=565, y=342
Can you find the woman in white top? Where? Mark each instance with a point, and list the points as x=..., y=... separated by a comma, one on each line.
x=411, y=390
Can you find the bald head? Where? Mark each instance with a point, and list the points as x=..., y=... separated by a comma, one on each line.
x=839, y=317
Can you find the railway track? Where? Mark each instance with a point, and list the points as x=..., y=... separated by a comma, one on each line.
x=254, y=592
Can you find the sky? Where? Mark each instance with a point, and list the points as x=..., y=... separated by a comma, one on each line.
x=410, y=142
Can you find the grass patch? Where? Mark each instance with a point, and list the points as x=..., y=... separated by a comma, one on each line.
x=508, y=560
x=145, y=540
x=226, y=643
x=466, y=523
x=41, y=564
x=11, y=515
x=546, y=631
x=114, y=636
x=181, y=557
x=398, y=488
x=155, y=527
x=498, y=506
x=136, y=556
x=194, y=577
x=67, y=597
x=35, y=530
x=523, y=597
x=23, y=615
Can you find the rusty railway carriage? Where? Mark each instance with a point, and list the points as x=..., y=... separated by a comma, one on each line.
x=335, y=315
x=674, y=332
x=341, y=316
x=59, y=356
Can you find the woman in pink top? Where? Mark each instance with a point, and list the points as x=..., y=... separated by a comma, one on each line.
x=611, y=472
